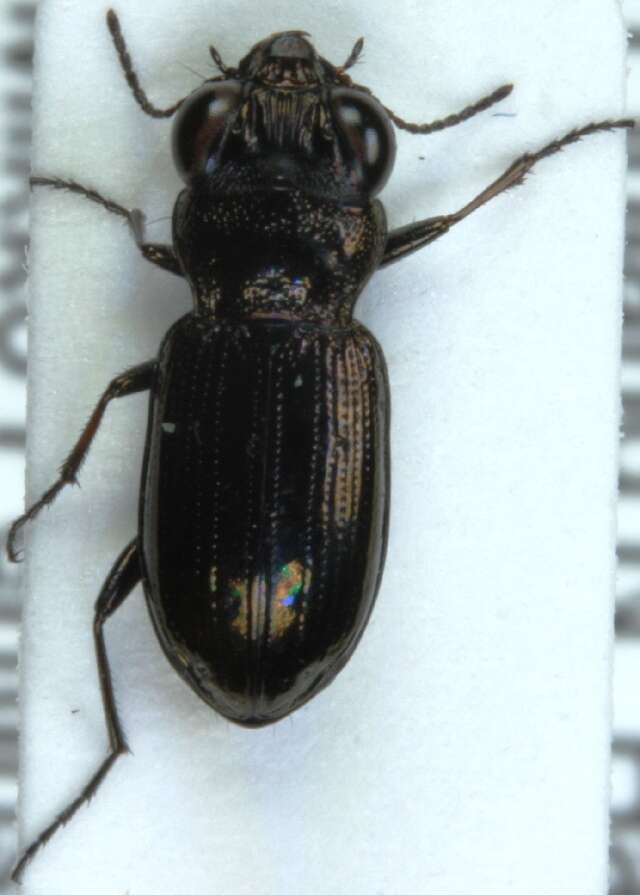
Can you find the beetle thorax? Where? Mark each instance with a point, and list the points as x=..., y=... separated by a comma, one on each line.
x=277, y=254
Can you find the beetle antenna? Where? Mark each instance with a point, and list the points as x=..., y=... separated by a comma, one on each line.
x=113, y=24
x=456, y=118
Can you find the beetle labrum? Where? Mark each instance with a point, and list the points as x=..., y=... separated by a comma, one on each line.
x=265, y=485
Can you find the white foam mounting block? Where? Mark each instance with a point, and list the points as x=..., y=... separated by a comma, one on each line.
x=465, y=747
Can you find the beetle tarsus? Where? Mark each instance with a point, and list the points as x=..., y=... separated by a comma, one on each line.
x=405, y=240
x=161, y=255
x=134, y=380
x=58, y=183
x=518, y=170
x=122, y=578
x=48, y=497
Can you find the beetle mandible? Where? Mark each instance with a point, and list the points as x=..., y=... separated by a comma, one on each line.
x=265, y=484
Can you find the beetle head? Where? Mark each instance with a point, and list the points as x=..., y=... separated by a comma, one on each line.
x=289, y=119
x=283, y=60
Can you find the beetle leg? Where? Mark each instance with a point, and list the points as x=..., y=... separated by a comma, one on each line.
x=162, y=255
x=136, y=379
x=404, y=240
x=451, y=120
x=122, y=578
x=113, y=24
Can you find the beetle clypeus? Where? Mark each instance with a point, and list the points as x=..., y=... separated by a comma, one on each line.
x=265, y=485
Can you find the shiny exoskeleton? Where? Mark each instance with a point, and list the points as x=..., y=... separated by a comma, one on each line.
x=265, y=489
x=265, y=492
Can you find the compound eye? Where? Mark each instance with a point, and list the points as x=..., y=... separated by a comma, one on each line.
x=200, y=125
x=366, y=138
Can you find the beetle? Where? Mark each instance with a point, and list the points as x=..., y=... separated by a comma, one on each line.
x=265, y=485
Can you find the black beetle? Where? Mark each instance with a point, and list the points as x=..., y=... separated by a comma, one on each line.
x=265, y=487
